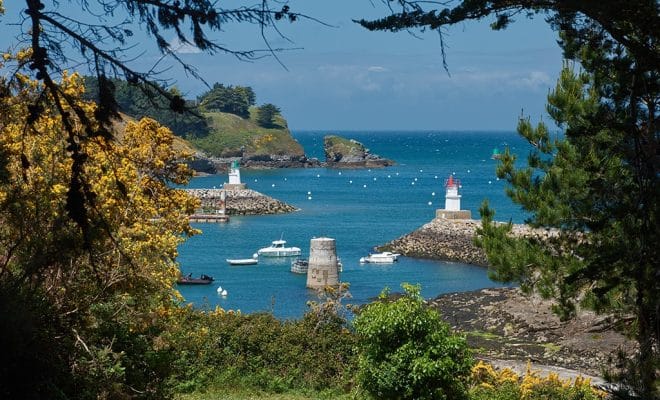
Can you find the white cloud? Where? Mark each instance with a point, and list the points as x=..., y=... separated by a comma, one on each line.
x=377, y=68
x=183, y=48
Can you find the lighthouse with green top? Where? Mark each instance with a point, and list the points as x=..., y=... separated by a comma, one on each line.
x=234, y=177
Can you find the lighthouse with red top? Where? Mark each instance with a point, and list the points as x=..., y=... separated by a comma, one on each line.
x=452, y=208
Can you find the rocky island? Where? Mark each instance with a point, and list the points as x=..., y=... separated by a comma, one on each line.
x=348, y=153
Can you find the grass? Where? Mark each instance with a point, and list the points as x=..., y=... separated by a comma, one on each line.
x=229, y=133
x=246, y=394
x=485, y=335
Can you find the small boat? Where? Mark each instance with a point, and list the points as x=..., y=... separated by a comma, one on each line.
x=385, y=257
x=300, y=266
x=277, y=249
x=243, y=261
x=189, y=280
x=496, y=154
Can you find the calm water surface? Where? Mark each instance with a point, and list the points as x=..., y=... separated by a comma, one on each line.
x=360, y=209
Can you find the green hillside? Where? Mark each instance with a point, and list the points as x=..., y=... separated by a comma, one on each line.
x=229, y=133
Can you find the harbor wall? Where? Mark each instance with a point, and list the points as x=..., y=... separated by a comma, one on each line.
x=240, y=202
x=450, y=240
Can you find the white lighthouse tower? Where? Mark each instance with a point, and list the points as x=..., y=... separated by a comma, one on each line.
x=234, y=177
x=452, y=208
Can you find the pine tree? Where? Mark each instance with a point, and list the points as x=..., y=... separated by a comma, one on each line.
x=267, y=113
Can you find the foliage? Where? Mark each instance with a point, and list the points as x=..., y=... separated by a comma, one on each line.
x=234, y=100
x=232, y=136
x=408, y=352
x=55, y=38
x=88, y=299
x=489, y=384
x=140, y=100
x=598, y=186
x=257, y=351
x=267, y=113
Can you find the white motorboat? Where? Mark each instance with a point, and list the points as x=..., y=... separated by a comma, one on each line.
x=385, y=257
x=278, y=249
x=242, y=261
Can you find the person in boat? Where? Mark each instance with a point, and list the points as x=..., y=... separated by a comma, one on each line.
x=189, y=276
x=206, y=277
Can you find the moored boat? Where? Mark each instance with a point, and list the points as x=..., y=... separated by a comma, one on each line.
x=242, y=261
x=189, y=280
x=385, y=257
x=278, y=249
x=300, y=266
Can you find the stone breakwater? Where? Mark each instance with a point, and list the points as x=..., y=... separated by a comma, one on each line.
x=450, y=240
x=240, y=202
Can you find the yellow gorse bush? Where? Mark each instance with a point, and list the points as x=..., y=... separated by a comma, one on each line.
x=487, y=377
x=138, y=217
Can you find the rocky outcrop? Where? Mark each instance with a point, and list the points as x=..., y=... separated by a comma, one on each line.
x=505, y=324
x=240, y=202
x=451, y=240
x=348, y=153
x=200, y=163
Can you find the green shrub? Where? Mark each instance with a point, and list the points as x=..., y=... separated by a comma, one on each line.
x=408, y=352
x=261, y=352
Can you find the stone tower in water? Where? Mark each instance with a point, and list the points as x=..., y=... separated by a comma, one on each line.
x=323, y=266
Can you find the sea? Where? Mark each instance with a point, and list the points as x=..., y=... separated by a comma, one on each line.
x=360, y=209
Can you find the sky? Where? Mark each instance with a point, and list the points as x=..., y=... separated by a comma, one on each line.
x=340, y=76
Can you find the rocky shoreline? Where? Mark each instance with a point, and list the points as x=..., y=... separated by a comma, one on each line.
x=504, y=326
x=240, y=202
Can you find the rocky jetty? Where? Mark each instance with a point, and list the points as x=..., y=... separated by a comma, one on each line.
x=451, y=240
x=240, y=202
x=348, y=153
x=441, y=239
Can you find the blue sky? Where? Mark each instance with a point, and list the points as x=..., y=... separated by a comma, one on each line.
x=347, y=78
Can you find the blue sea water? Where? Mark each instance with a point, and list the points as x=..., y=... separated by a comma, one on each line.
x=360, y=208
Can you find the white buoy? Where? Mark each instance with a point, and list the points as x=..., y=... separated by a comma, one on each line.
x=339, y=172
x=255, y=180
x=389, y=176
x=432, y=193
x=397, y=174
x=369, y=170
x=430, y=203
x=497, y=179
x=309, y=197
x=412, y=183
x=318, y=176
x=453, y=173
x=350, y=181
x=284, y=179
x=309, y=193
x=273, y=185
x=223, y=293
x=415, y=179
x=375, y=178
x=364, y=186
x=219, y=289
x=421, y=170
x=489, y=182
x=436, y=177
x=468, y=171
